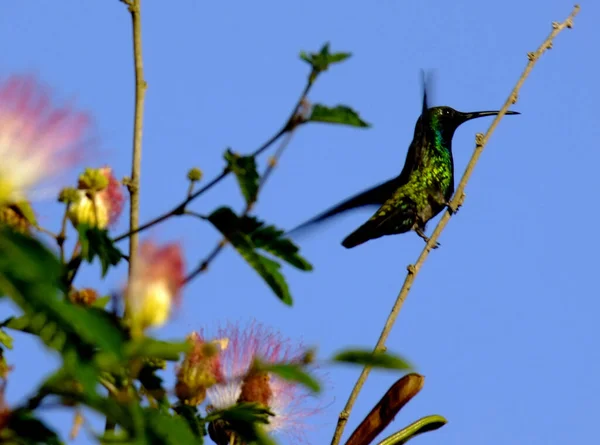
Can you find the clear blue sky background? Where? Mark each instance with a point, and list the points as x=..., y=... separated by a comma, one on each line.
x=502, y=320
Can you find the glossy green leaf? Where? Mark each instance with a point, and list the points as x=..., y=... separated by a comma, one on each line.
x=24, y=428
x=32, y=279
x=337, y=115
x=271, y=239
x=191, y=415
x=5, y=339
x=242, y=412
x=246, y=420
x=151, y=348
x=426, y=424
x=101, y=302
x=163, y=428
x=372, y=359
x=230, y=225
x=26, y=211
x=127, y=414
x=244, y=169
x=153, y=385
x=320, y=61
x=292, y=372
x=96, y=243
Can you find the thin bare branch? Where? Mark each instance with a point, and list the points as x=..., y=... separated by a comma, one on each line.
x=413, y=269
x=133, y=184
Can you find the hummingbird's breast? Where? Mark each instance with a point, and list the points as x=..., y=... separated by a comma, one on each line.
x=439, y=170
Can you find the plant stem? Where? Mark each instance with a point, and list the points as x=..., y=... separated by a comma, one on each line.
x=179, y=209
x=413, y=270
x=140, y=93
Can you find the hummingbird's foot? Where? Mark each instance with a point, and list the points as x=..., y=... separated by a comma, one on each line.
x=426, y=238
x=452, y=209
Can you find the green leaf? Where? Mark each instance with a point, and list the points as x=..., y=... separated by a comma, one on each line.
x=320, y=61
x=25, y=260
x=153, y=384
x=231, y=227
x=26, y=211
x=292, y=372
x=245, y=419
x=337, y=115
x=192, y=417
x=6, y=339
x=151, y=348
x=101, y=302
x=244, y=169
x=30, y=275
x=128, y=414
x=429, y=423
x=163, y=428
x=95, y=242
x=373, y=359
x=270, y=239
x=27, y=429
x=242, y=412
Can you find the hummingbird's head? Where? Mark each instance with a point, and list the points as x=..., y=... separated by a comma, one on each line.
x=446, y=119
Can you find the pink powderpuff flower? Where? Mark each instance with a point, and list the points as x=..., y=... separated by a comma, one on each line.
x=38, y=140
x=199, y=370
x=289, y=401
x=155, y=285
x=101, y=208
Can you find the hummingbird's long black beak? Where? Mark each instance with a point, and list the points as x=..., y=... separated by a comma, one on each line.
x=476, y=114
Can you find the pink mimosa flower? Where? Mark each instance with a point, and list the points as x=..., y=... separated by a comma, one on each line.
x=289, y=401
x=155, y=284
x=38, y=140
x=104, y=209
x=200, y=369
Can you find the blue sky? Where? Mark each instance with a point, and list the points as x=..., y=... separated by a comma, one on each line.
x=502, y=320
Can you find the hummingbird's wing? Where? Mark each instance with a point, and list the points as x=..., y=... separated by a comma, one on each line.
x=398, y=215
x=415, y=149
x=376, y=195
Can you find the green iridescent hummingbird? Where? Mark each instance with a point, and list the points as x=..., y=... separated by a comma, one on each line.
x=423, y=188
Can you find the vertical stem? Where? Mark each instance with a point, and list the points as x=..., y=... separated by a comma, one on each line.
x=133, y=185
x=140, y=93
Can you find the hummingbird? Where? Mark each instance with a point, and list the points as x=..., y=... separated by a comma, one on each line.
x=423, y=188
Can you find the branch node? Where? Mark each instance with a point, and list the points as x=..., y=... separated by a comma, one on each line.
x=411, y=269
x=514, y=98
x=531, y=56
x=479, y=140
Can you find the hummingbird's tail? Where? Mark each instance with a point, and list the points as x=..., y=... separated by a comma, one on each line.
x=390, y=219
x=361, y=235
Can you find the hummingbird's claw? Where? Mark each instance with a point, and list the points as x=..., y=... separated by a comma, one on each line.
x=426, y=238
x=452, y=209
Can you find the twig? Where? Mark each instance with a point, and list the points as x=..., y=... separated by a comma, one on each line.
x=203, y=266
x=179, y=209
x=133, y=184
x=481, y=141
